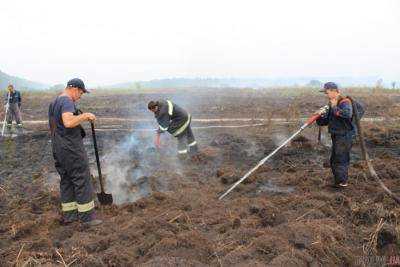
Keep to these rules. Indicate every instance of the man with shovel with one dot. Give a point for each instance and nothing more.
(13, 99)
(176, 121)
(338, 117)
(69, 154)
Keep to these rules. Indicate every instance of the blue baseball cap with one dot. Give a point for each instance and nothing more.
(330, 86)
(78, 83)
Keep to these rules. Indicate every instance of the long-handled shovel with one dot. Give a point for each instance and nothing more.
(104, 199)
(305, 125)
(5, 114)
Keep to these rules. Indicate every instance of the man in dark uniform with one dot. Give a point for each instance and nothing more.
(176, 121)
(13, 99)
(338, 117)
(69, 154)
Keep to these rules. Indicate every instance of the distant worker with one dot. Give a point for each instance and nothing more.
(338, 117)
(69, 154)
(176, 121)
(14, 100)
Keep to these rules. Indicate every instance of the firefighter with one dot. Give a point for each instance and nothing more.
(338, 117)
(13, 99)
(69, 154)
(176, 121)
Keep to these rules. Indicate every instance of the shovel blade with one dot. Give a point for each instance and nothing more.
(105, 199)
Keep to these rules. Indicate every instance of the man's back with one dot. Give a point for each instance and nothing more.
(60, 105)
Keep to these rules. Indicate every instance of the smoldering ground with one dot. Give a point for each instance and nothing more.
(263, 222)
(134, 167)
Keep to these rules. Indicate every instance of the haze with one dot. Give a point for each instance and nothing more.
(107, 42)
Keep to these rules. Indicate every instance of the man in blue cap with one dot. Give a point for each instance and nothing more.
(69, 154)
(338, 117)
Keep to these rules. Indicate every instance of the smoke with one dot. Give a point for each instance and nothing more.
(253, 150)
(326, 140)
(117, 170)
(270, 186)
(133, 167)
(279, 138)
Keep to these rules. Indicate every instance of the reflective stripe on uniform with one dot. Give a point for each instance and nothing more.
(86, 207)
(182, 151)
(193, 143)
(170, 107)
(162, 128)
(69, 206)
(180, 130)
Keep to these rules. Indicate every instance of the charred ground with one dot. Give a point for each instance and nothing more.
(284, 214)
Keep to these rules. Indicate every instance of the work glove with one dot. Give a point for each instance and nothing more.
(322, 111)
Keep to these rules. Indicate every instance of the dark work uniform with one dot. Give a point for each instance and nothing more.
(176, 121)
(342, 130)
(14, 109)
(71, 162)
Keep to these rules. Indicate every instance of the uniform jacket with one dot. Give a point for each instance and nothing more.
(15, 98)
(339, 118)
(171, 117)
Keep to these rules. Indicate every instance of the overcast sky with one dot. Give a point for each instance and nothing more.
(107, 42)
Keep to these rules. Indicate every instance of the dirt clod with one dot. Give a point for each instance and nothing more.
(97, 246)
(386, 236)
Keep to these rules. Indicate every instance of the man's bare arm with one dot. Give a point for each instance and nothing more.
(70, 120)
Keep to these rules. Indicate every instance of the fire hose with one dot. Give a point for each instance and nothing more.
(305, 125)
(366, 156)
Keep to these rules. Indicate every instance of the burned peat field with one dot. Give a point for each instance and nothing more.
(166, 211)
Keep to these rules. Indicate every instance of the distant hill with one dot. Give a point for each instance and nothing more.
(19, 83)
(244, 82)
(343, 81)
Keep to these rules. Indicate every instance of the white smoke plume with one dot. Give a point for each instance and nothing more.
(279, 138)
(133, 167)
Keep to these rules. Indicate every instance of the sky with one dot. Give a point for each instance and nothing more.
(106, 42)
